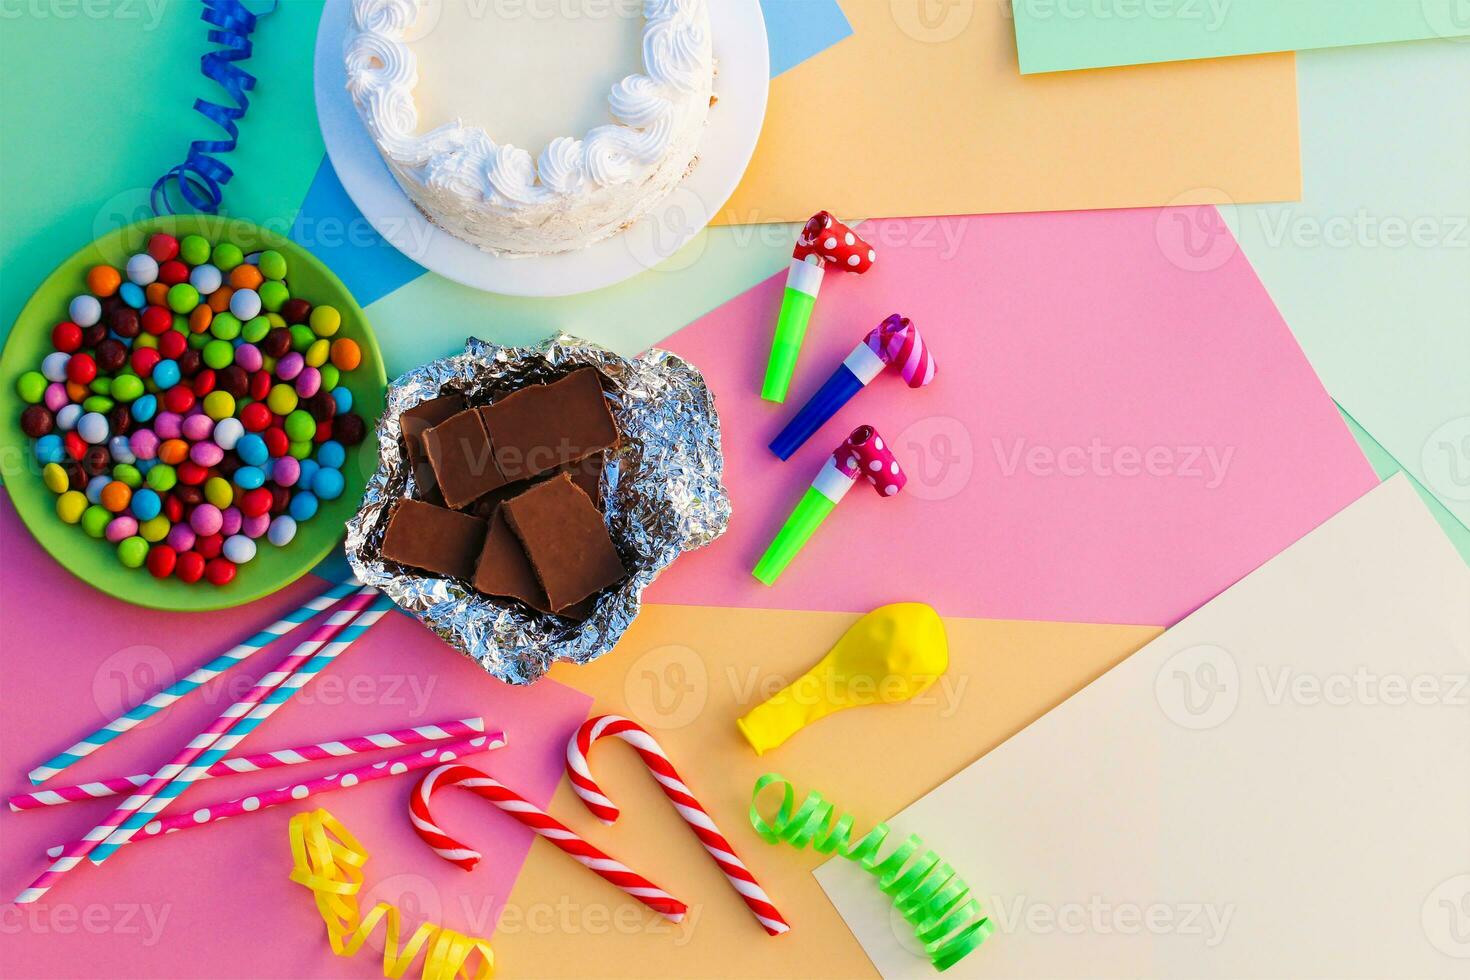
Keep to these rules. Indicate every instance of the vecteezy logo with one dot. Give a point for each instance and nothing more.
(130, 676)
(1194, 233)
(932, 21)
(1446, 459)
(667, 687)
(1199, 687)
(1446, 917)
(939, 456)
(1448, 18)
(415, 897)
(658, 240)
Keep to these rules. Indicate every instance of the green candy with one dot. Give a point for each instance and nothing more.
(100, 404)
(132, 552)
(273, 294)
(126, 387)
(225, 326)
(182, 297)
(101, 386)
(194, 249)
(31, 387)
(198, 340)
(162, 477)
(331, 377)
(301, 449)
(95, 520)
(301, 338)
(128, 473)
(218, 354)
(300, 426)
(272, 264)
(227, 256)
(254, 331)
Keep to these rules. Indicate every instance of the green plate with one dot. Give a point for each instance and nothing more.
(95, 562)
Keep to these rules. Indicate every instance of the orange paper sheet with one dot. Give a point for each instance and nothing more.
(924, 111)
(686, 673)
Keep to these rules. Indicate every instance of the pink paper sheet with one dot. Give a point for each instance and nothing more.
(215, 901)
(1122, 425)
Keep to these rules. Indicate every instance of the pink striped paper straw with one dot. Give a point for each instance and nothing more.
(80, 849)
(398, 738)
(324, 784)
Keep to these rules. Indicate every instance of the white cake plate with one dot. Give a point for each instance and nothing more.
(739, 35)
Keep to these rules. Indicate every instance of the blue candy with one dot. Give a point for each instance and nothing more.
(328, 484)
(144, 407)
(251, 449)
(249, 477)
(49, 449)
(331, 454)
(303, 506)
(121, 450)
(94, 487)
(132, 294)
(309, 469)
(166, 374)
(343, 398)
(146, 504)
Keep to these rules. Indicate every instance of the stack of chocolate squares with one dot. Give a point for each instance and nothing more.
(510, 494)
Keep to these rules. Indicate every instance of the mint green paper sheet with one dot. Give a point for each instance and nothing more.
(1064, 35)
(1371, 269)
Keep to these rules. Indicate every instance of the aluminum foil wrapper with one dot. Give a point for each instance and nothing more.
(662, 493)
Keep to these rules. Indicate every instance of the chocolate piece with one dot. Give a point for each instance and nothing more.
(503, 568)
(433, 538)
(541, 427)
(464, 465)
(565, 540)
(585, 473)
(413, 424)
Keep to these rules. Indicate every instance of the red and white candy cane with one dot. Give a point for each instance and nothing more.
(673, 786)
(541, 822)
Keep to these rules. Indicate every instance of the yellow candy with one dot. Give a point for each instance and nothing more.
(282, 399)
(155, 529)
(316, 355)
(890, 655)
(325, 321)
(217, 490)
(219, 405)
(55, 478)
(69, 506)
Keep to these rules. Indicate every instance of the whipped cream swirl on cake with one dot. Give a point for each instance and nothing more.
(579, 190)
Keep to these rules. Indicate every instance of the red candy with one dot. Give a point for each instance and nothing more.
(209, 545)
(220, 571)
(171, 344)
(255, 502)
(67, 337)
(173, 272)
(191, 473)
(190, 567)
(260, 385)
(173, 509)
(203, 382)
(163, 247)
(157, 320)
(277, 443)
(178, 399)
(161, 560)
(75, 445)
(81, 369)
(255, 417)
(144, 360)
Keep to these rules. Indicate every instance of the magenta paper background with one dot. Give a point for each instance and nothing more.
(215, 901)
(1050, 331)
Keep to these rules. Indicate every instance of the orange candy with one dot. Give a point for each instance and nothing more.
(219, 300)
(346, 355)
(77, 393)
(156, 293)
(200, 318)
(245, 276)
(103, 280)
(173, 451)
(116, 496)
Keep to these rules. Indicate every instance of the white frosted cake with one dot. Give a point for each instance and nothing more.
(471, 104)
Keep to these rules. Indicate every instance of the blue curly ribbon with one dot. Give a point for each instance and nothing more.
(202, 176)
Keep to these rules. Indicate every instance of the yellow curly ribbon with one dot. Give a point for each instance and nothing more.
(329, 861)
(946, 918)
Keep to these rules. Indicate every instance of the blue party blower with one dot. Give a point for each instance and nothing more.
(893, 343)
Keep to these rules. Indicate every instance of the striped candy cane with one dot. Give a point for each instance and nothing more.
(263, 760)
(163, 779)
(673, 786)
(539, 821)
(439, 754)
(272, 691)
(178, 689)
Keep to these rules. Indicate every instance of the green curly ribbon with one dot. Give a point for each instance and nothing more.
(926, 891)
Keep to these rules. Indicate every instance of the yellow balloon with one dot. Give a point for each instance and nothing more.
(892, 654)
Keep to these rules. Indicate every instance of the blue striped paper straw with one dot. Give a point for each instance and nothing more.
(178, 689)
(283, 691)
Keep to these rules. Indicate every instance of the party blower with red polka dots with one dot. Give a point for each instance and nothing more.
(864, 455)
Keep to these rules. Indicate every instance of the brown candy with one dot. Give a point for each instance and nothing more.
(321, 406)
(189, 362)
(94, 335)
(119, 420)
(233, 379)
(460, 453)
(294, 311)
(110, 355)
(434, 539)
(125, 322)
(276, 342)
(565, 539)
(37, 421)
(504, 570)
(96, 460)
(349, 429)
(413, 423)
(542, 427)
